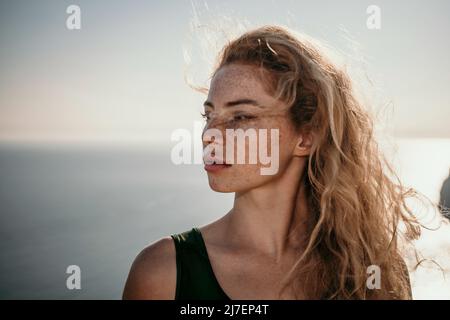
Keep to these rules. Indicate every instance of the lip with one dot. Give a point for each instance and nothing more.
(216, 167)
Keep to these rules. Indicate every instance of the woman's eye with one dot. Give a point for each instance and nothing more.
(205, 115)
(235, 119)
(241, 117)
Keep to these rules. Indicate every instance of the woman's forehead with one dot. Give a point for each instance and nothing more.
(237, 81)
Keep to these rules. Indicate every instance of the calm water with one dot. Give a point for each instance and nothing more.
(97, 207)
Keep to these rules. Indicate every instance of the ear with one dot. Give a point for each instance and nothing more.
(304, 145)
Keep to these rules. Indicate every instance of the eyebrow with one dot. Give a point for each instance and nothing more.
(235, 103)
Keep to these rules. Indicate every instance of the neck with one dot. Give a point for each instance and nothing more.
(272, 218)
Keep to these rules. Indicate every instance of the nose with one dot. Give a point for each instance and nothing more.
(213, 131)
(210, 135)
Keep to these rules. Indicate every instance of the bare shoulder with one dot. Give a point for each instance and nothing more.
(153, 272)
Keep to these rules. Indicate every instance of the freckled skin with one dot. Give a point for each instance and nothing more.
(237, 81)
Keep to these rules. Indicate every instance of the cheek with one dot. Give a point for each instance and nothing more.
(241, 177)
(287, 141)
(282, 142)
(270, 134)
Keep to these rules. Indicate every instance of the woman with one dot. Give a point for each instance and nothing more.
(312, 230)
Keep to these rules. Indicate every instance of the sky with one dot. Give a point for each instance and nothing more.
(122, 76)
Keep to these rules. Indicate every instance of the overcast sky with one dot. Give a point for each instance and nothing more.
(121, 76)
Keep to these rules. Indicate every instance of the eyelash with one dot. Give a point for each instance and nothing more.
(204, 115)
(243, 117)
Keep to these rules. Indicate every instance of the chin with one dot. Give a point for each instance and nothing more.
(220, 186)
(231, 185)
(237, 180)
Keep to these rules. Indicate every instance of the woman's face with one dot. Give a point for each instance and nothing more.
(237, 99)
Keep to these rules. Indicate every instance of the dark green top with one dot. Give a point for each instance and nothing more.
(195, 276)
